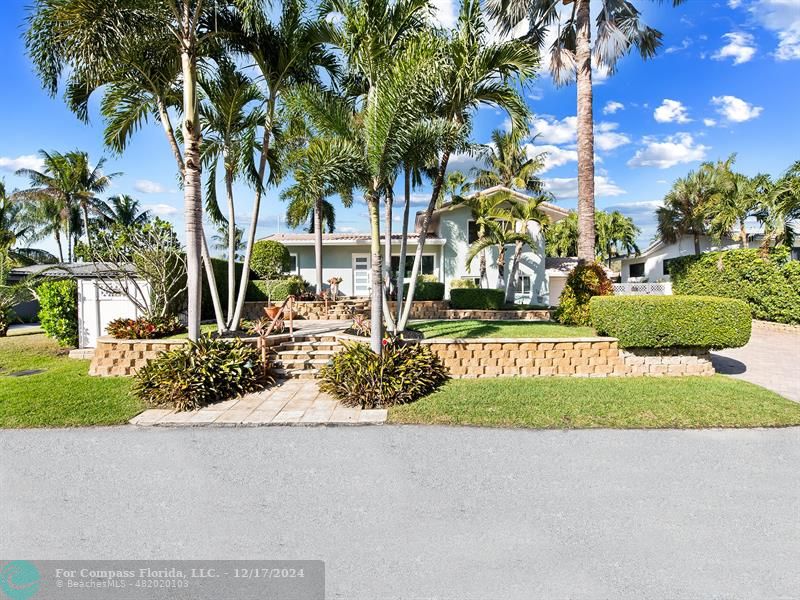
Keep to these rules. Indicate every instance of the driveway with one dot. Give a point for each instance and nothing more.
(771, 359)
(423, 512)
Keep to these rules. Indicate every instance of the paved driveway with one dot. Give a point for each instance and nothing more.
(770, 359)
(424, 512)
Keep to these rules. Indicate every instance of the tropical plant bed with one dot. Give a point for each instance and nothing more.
(621, 403)
(62, 394)
(462, 329)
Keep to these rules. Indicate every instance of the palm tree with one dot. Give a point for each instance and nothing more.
(685, 208)
(122, 209)
(506, 163)
(619, 29)
(222, 241)
(615, 235)
(522, 214)
(486, 209)
(229, 134)
(91, 181)
(781, 208)
(561, 239)
(13, 225)
(325, 166)
(499, 234)
(474, 72)
(455, 187)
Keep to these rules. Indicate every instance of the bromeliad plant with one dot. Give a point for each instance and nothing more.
(401, 374)
(144, 328)
(200, 373)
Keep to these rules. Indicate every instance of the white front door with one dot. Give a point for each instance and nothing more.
(361, 274)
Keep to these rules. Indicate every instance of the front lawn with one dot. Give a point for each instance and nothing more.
(499, 329)
(624, 403)
(63, 395)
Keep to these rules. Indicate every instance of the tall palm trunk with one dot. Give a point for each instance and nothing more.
(231, 244)
(401, 268)
(192, 186)
(376, 307)
(318, 242)
(583, 57)
(212, 284)
(501, 267)
(743, 233)
(696, 237)
(513, 274)
(423, 235)
(387, 261)
(60, 249)
(482, 276)
(85, 215)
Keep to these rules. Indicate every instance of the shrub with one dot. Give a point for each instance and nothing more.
(144, 329)
(220, 268)
(402, 373)
(270, 259)
(770, 283)
(478, 299)
(276, 289)
(360, 326)
(199, 373)
(672, 321)
(58, 310)
(459, 284)
(426, 289)
(583, 283)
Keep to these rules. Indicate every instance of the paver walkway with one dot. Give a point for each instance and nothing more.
(292, 402)
(771, 359)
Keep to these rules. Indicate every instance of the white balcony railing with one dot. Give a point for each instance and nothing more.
(643, 289)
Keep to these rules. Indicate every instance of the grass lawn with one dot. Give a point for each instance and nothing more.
(636, 402)
(499, 329)
(205, 329)
(63, 395)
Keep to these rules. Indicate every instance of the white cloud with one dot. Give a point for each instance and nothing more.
(685, 43)
(346, 229)
(671, 111)
(734, 3)
(789, 44)
(607, 138)
(637, 208)
(554, 131)
(740, 47)
(445, 13)
(145, 186)
(462, 162)
(161, 210)
(613, 106)
(26, 161)
(554, 155)
(673, 150)
(535, 93)
(417, 198)
(567, 187)
(735, 109)
(782, 17)
(709, 122)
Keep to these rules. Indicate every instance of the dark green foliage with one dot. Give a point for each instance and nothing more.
(462, 283)
(672, 321)
(770, 284)
(426, 290)
(220, 268)
(402, 373)
(197, 374)
(270, 259)
(276, 289)
(144, 328)
(479, 299)
(58, 310)
(583, 283)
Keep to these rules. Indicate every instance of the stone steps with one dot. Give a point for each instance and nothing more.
(302, 358)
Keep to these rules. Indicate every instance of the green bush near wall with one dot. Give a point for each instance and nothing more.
(275, 289)
(220, 267)
(769, 284)
(478, 299)
(426, 290)
(672, 321)
(58, 310)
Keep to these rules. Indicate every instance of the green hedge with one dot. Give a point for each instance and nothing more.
(277, 289)
(672, 321)
(769, 284)
(58, 310)
(426, 290)
(478, 299)
(220, 268)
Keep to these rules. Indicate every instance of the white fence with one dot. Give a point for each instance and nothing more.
(643, 289)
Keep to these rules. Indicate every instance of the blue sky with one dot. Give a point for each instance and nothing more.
(726, 80)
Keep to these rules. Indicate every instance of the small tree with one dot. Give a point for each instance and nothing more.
(270, 259)
(583, 283)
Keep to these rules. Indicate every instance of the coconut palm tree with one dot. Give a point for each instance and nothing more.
(221, 241)
(619, 29)
(780, 212)
(474, 71)
(521, 215)
(506, 163)
(615, 235)
(486, 209)
(122, 209)
(561, 239)
(499, 234)
(13, 224)
(685, 208)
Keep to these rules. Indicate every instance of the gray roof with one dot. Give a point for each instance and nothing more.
(72, 270)
(343, 238)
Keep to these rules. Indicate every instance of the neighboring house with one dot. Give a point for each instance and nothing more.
(451, 231)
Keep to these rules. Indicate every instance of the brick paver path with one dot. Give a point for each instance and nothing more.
(771, 359)
(292, 402)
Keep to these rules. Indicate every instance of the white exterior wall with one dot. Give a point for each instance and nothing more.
(97, 308)
(654, 261)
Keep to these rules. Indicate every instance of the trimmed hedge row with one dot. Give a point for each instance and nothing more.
(769, 284)
(672, 321)
(478, 299)
(426, 290)
(276, 289)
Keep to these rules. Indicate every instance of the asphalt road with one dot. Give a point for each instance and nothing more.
(424, 512)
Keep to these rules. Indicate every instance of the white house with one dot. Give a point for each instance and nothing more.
(452, 230)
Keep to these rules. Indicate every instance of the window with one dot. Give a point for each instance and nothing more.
(795, 253)
(665, 265)
(523, 285)
(426, 268)
(636, 270)
(292, 264)
(472, 234)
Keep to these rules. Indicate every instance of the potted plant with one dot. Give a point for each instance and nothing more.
(334, 283)
(271, 310)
